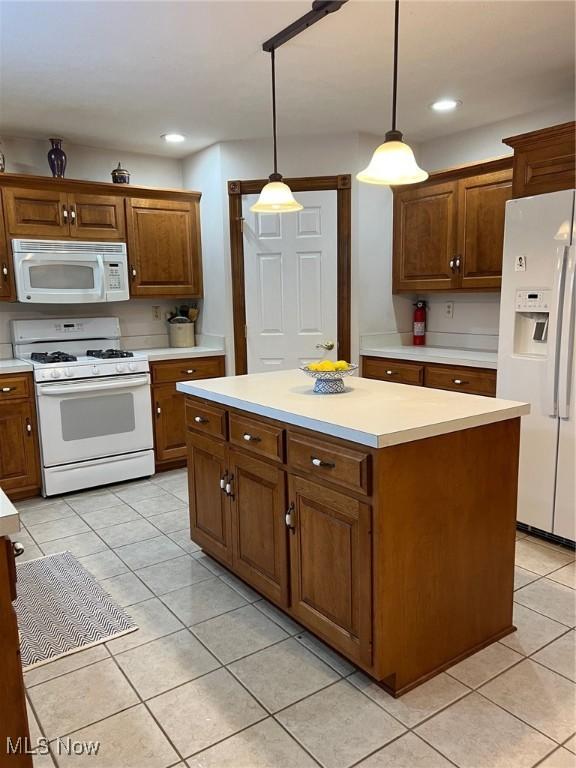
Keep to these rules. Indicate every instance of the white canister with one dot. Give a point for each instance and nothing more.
(181, 334)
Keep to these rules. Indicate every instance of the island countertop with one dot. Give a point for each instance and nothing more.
(370, 412)
(9, 518)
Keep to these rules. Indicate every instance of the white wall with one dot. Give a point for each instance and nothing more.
(92, 164)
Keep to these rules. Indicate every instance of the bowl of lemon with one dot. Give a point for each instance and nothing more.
(329, 375)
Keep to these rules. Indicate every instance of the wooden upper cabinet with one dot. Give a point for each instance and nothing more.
(61, 215)
(449, 230)
(36, 213)
(544, 160)
(331, 566)
(97, 217)
(481, 213)
(164, 247)
(7, 288)
(425, 237)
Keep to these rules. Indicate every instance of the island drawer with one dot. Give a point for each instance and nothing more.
(15, 386)
(208, 419)
(473, 381)
(263, 439)
(392, 370)
(337, 464)
(187, 369)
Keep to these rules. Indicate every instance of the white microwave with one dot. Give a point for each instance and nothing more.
(70, 271)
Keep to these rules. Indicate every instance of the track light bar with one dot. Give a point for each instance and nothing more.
(320, 9)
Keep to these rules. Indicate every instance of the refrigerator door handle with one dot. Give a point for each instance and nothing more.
(567, 341)
(554, 333)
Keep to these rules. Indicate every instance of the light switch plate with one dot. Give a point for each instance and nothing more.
(449, 309)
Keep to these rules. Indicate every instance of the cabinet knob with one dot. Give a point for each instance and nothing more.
(28, 427)
(158, 409)
(390, 373)
(451, 264)
(5, 270)
(17, 548)
(200, 420)
(133, 271)
(457, 262)
(251, 438)
(73, 215)
(65, 213)
(319, 463)
(223, 480)
(459, 381)
(6, 389)
(228, 487)
(189, 371)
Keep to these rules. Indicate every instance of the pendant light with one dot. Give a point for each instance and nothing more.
(393, 162)
(276, 196)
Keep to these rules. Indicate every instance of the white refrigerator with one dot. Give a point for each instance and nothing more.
(536, 356)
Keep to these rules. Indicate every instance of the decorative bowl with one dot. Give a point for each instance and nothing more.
(329, 382)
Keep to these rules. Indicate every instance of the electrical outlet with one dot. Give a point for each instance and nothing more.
(156, 314)
(449, 309)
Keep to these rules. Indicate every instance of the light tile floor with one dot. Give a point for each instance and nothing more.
(216, 677)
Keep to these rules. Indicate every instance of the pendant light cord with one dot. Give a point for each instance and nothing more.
(272, 54)
(395, 80)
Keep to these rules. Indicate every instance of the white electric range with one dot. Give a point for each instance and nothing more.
(93, 402)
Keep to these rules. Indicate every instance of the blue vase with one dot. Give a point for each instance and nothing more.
(57, 159)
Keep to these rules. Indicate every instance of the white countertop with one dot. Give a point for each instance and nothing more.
(448, 355)
(9, 518)
(14, 366)
(370, 412)
(172, 353)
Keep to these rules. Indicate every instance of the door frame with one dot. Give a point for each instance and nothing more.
(342, 184)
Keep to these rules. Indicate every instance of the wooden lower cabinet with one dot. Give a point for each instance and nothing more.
(19, 449)
(331, 566)
(258, 504)
(13, 716)
(210, 515)
(404, 574)
(168, 407)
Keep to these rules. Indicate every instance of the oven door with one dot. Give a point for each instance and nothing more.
(94, 418)
(59, 278)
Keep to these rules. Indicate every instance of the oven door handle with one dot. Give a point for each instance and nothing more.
(102, 385)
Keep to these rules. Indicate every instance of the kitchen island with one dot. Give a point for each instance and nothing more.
(382, 519)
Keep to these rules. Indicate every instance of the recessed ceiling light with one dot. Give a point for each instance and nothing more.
(445, 105)
(173, 138)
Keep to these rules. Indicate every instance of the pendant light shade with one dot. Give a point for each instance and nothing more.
(393, 162)
(276, 196)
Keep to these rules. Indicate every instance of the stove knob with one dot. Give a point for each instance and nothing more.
(69, 372)
(120, 367)
(95, 370)
(132, 366)
(55, 373)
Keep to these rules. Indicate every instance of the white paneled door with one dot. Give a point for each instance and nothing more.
(290, 268)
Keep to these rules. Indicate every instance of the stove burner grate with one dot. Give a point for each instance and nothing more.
(52, 357)
(108, 354)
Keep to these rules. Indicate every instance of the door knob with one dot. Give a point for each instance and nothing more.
(327, 345)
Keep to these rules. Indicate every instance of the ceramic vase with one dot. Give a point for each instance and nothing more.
(57, 159)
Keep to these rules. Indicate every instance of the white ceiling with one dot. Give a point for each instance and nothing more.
(119, 74)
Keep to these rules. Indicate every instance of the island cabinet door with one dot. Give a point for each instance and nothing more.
(210, 524)
(331, 566)
(169, 423)
(259, 534)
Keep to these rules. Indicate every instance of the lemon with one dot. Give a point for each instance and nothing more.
(341, 365)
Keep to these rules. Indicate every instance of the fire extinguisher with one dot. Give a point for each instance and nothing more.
(419, 336)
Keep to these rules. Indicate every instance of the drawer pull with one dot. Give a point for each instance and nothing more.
(320, 463)
(200, 420)
(251, 438)
(391, 373)
(8, 389)
(189, 371)
(459, 381)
